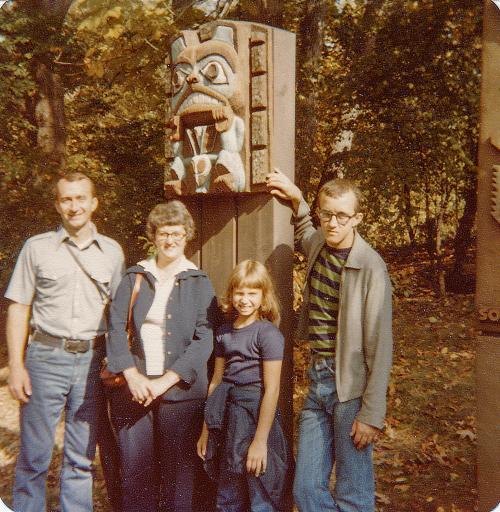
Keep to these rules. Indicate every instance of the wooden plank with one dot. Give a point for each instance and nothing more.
(488, 277)
(218, 235)
(488, 236)
(193, 249)
(488, 428)
(283, 124)
(266, 235)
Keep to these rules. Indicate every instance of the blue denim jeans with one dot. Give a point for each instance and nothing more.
(324, 440)
(242, 493)
(61, 381)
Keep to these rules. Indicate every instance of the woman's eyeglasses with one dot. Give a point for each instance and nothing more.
(175, 237)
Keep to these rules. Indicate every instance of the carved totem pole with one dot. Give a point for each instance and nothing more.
(220, 118)
(230, 121)
(488, 263)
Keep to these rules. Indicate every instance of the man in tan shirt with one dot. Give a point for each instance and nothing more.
(55, 335)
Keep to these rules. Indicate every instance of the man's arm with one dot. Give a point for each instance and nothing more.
(281, 186)
(17, 333)
(378, 358)
(363, 434)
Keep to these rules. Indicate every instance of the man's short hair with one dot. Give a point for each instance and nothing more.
(339, 187)
(74, 176)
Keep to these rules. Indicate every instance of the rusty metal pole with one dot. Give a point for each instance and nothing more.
(488, 263)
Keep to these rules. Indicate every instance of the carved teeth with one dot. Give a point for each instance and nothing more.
(198, 98)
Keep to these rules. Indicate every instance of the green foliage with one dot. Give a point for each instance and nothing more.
(111, 61)
(401, 78)
(408, 91)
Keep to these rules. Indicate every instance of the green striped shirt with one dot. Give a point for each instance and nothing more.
(324, 288)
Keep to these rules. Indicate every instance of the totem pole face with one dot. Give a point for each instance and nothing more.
(204, 77)
(220, 85)
(207, 132)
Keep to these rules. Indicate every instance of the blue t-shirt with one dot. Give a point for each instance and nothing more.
(244, 350)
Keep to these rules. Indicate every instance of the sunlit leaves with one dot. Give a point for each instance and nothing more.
(413, 79)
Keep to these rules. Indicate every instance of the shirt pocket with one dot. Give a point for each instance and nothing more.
(52, 278)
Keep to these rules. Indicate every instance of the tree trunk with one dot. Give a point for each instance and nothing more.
(458, 280)
(440, 273)
(463, 235)
(311, 32)
(430, 223)
(407, 213)
(271, 12)
(48, 17)
(49, 116)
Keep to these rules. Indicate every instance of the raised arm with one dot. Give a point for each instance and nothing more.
(281, 186)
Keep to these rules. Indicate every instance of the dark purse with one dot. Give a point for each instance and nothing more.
(116, 380)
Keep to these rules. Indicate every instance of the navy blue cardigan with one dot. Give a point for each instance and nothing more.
(192, 312)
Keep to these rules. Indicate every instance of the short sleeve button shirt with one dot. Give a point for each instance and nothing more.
(65, 302)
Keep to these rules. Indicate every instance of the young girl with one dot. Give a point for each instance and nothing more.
(242, 443)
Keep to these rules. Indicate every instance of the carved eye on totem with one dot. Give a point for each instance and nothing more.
(214, 72)
(178, 79)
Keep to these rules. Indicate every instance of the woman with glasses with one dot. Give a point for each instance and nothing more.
(157, 415)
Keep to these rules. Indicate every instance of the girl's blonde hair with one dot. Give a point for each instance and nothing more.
(252, 274)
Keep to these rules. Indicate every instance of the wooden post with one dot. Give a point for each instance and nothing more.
(242, 138)
(488, 276)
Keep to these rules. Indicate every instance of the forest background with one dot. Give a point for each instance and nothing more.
(387, 94)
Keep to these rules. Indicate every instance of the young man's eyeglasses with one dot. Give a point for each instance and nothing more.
(175, 236)
(341, 218)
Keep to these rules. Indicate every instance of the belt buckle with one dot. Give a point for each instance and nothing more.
(75, 346)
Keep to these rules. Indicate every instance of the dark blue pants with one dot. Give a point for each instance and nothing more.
(109, 454)
(159, 466)
(242, 493)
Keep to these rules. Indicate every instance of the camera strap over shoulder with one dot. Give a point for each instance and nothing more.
(103, 292)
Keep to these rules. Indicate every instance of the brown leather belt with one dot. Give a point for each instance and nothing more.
(73, 346)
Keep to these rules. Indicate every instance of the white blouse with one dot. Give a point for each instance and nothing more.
(154, 328)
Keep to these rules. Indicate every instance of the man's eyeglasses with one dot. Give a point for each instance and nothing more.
(341, 218)
(175, 237)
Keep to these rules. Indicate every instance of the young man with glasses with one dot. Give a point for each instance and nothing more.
(347, 318)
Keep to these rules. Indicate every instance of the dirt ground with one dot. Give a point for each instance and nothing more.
(426, 459)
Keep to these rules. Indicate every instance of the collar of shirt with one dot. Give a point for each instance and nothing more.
(62, 235)
(150, 266)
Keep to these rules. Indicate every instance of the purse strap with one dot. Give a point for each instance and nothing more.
(133, 298)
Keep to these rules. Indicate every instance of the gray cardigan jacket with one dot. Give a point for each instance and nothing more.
(363, 355)
(192, 311)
